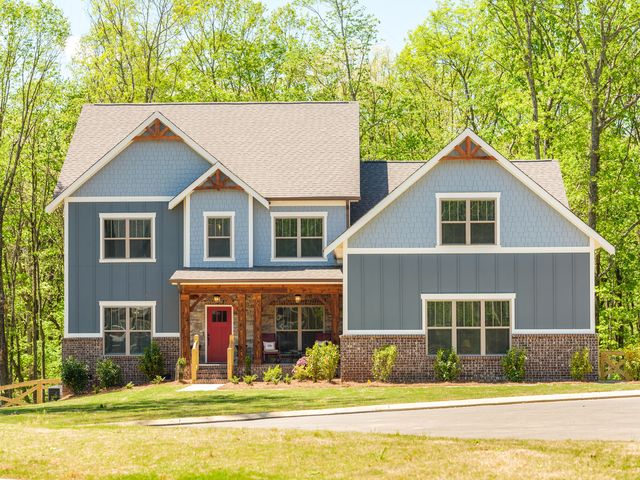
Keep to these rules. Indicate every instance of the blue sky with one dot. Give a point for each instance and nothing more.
(397, 18)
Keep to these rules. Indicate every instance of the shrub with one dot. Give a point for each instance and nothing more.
(75, 375)
(287, 379)
(513, 364)
(247, 365)
(235, 380)
(447, 366)
(181, 366)
(157, 380)
(300, 371)
(580, 365)
(273, 375)
(109, 373)
(322, 361)
(129, 385)
(632, 361)
(384, 358)
(249, 379)
(152, 361)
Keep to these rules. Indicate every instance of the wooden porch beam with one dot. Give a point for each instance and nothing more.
(185, 334)
(257, 329)
(302, 289)
(242, 329)
(335, 319)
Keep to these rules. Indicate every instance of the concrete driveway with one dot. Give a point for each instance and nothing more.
(605, 419)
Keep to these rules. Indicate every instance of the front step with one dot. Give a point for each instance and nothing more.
(212, 373)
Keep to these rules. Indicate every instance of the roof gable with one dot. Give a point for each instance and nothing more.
(466, 136)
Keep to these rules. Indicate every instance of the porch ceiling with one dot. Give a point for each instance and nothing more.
(265, 276)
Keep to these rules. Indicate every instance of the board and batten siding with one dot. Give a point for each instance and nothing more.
(90, 281)
(525, 219)
(552, 289)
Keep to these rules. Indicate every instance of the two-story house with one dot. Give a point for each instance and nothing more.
(259, 220)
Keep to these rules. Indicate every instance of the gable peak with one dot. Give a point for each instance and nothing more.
(468, 149)
(157, 130)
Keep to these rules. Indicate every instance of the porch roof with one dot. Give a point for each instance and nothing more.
(264, 275)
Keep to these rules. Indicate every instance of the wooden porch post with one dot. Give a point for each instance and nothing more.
(257, 329)
(242, 329)
(335, 321)
(185, 334)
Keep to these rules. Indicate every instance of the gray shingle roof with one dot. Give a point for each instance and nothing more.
(258, 275)
(379, 178)
(282, 150)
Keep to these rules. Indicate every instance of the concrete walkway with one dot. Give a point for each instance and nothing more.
(604, 419)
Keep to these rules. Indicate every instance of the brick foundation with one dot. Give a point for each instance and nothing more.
(90, 350)
(547, 358)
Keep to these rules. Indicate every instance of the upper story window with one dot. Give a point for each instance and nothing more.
(469, 326)
(127, 327)
(298, 237)
(468, 221)
(218, 236)
(127, 237)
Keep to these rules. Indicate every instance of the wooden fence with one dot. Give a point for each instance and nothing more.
(30, 387)
(612, 363)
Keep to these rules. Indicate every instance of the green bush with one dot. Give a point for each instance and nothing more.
(249, 379)
(384, 359)
(235, 380)
(273, 375)
(632, 361)
(129, 385)
(109, 373)
(322, 361)
(157, 380)
(247, 365)
(181, 367)
(300, 371)
(580, 365)
(513, 364)
(287, 379)
(75, 375)
(447, 366)
(152, 362)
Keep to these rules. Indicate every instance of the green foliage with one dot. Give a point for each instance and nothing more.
(513, 364)
(249, 379)
(300, 371)
(287, 379)
(632, 361)
(580, 364)
(152, 361)
(157, 380)
(235, 380)
(129, 386)
(322, 361)
(273, 375)
(75, 375)
(384, 359)
(447, 365)
(109, 373)
(247, 365)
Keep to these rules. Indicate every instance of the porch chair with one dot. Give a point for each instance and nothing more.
(322, 337)
(270, 347)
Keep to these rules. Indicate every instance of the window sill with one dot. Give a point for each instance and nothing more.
(218, 259)
(127, 260)
(299, 259)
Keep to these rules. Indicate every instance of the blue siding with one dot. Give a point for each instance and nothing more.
(525, 219)
(220, 201)
(336, 224)
(552, 289)
(147, 169)
(91, 281)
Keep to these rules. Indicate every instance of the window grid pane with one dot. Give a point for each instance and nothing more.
(298, 237)
(439, 314)
(468, 314)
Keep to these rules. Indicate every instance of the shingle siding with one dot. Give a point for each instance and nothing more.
(525, 219)
(147, 169)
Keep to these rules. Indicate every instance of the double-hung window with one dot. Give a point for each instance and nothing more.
(298, 326)
(468, 221)
(469, 326)
(127, 327)
(298, 237)
(127, 237)
(218, 236)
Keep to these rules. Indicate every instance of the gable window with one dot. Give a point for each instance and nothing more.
(127, 237)
(297, 327)
(468, 221)
(469, 326)
(218, 236)
(298, 237)
(127, 327)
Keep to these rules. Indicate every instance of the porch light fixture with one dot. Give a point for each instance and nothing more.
(297, 298)
(216, 298)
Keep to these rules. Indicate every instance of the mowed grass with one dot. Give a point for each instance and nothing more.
(181, 453)
(165, 401)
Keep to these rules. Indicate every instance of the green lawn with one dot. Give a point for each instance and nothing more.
(164, 401)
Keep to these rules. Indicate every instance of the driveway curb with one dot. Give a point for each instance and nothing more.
(172, 422)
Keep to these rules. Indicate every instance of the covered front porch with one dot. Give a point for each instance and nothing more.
(272, 314)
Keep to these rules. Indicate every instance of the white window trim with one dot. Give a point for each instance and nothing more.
(128, 216)
(205, 220)
(467, 196)
(299, 329)
(462, 297)
(128, 304)
(275, 215)
(206, 327)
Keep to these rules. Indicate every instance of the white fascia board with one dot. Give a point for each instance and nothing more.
(467, 296)
(515, 171)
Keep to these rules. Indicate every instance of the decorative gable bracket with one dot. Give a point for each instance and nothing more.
(468, 150)
(218, 181)
(157, 131)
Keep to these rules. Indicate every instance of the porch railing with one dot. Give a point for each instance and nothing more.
(230, 355)
(195, 358)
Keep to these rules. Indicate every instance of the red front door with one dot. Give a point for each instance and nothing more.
(218, 330)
